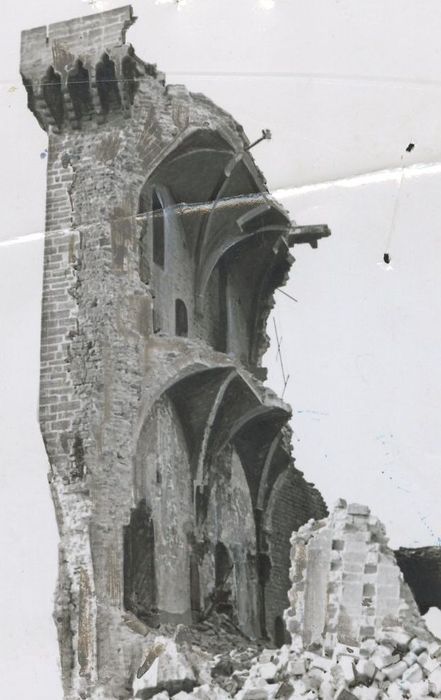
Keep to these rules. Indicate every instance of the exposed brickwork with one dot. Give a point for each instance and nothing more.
(292, 503)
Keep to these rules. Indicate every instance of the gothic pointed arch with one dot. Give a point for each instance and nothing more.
(233, 235)
(162, 483)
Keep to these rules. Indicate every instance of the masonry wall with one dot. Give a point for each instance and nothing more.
(230, 521)
(163, 481)
(135, 419)
(346, 584)
(292, 503)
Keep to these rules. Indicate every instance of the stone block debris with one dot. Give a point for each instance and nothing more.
(394, 658)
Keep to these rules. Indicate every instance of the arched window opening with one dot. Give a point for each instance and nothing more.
(107, 84)
(79, 90)
(158, 230)
(139, 565)
(53, 95)
(181, 318)
(279, 632)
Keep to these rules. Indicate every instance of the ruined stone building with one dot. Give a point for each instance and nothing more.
(170, 461)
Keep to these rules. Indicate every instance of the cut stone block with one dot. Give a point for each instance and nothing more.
(321, 662)
(383, 660)
(345, 695)
(417, 645)
(430, 665)
(297, 667)
(365, 670)
(419, 690)
(268, 671)
(395, 671)
(410, 658)
(346, 663)
(414, 674)
(358, 509)
(435, 681)
(371, 693)
(434, 650)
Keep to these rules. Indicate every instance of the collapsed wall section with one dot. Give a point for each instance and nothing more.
(395, 658)
(292, 503)
(346, 584)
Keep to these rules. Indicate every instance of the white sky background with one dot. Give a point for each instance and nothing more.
(344, 86)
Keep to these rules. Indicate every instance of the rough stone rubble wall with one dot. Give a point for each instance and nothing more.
(346, 584)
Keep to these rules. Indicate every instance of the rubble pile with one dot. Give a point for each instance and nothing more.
(204, 658)
(355, 629)
(392, 666)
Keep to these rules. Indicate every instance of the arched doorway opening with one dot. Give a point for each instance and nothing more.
(139, 565)
(181, 319)
(163, 481)
(223, 573)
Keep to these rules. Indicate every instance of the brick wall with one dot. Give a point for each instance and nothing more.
(84, 37)
(292, 503)
(102, 367)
